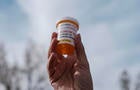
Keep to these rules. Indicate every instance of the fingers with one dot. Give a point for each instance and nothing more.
(70, 60)
(60, 70)
(54, 35)
(53, 44)
(56, 67)
(52, 62)
(80, 51)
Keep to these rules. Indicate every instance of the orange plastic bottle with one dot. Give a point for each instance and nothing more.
(67, 29)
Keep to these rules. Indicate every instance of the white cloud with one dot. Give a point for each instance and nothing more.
(104, 57)
(101, 53)
(15, 52)
(43, 15)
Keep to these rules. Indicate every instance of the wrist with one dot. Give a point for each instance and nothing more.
(63, 87)
(65, 83)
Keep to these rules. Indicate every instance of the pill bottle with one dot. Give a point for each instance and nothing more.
(67, 29)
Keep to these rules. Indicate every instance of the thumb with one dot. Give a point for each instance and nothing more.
(80, 51)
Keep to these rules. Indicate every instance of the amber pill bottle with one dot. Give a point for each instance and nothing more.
(67, 29)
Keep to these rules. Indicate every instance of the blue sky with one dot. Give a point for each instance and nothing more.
(12, 21)
(110, 31)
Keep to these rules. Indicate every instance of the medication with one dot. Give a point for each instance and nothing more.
(67, 29)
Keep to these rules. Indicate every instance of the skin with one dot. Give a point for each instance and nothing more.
(71, 73)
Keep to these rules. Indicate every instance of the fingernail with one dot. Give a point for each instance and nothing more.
(54, 34)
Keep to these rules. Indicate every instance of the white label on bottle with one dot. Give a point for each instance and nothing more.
(66, 33)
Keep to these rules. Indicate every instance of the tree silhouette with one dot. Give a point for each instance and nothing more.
(125, 81)
(138, 82)
(15, 70)
(33, 60)
(4, 71)
(34, 70)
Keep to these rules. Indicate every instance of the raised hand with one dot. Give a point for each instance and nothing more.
(71, 73)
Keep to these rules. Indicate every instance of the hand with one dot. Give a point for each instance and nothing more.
(71, 73)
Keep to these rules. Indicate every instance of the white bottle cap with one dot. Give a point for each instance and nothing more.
(68, 19)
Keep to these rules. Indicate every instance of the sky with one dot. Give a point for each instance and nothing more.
(109, 28)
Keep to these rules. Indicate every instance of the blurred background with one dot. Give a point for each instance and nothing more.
(110, 31)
